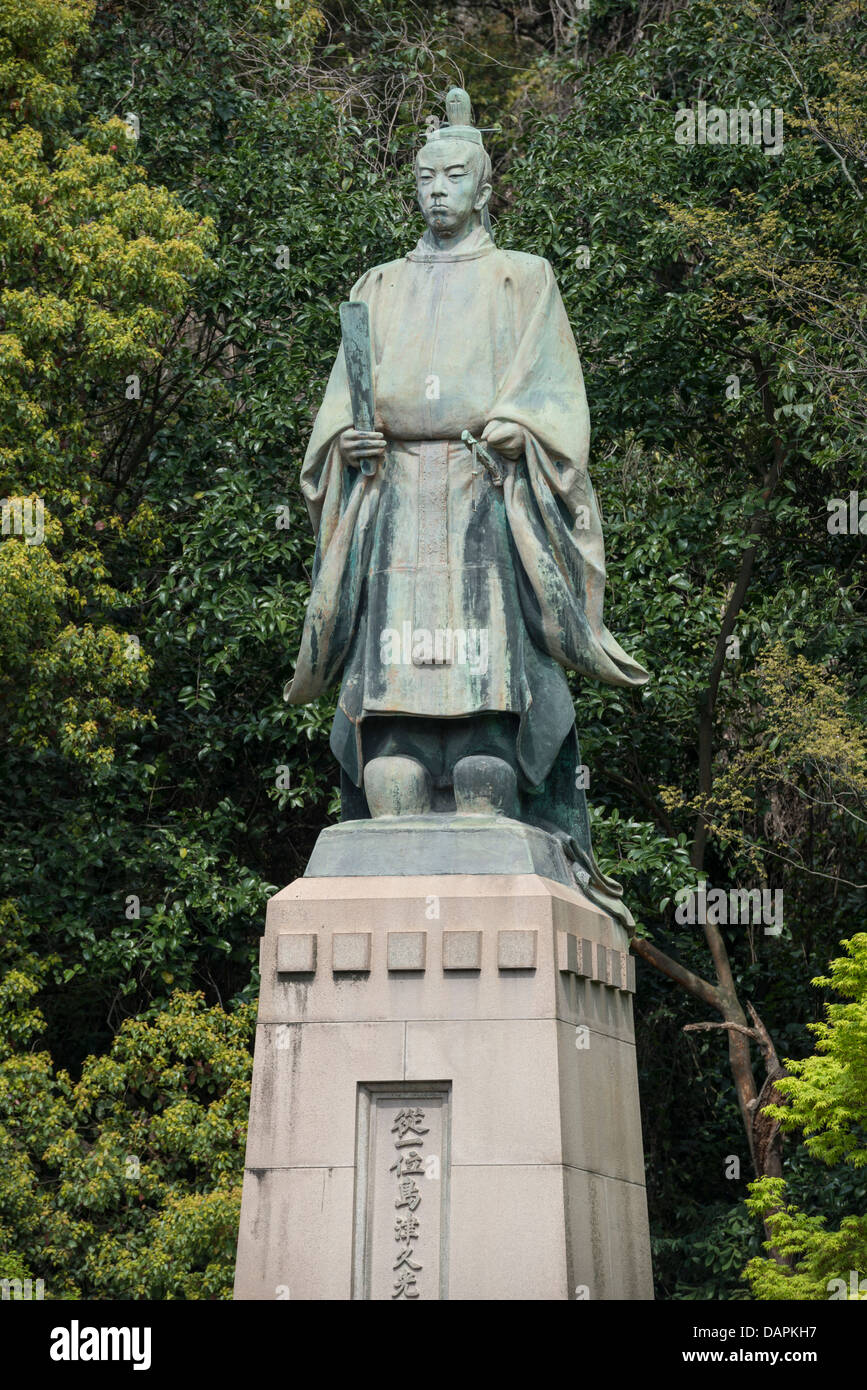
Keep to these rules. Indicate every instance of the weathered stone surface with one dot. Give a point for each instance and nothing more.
(302, 1106)
(529, 1179)
(296, 953)
(515, 1246)
(462, 950)
(291, 1217)
(516, 950)
(434, 905)
(438, 905)
(350, 951)
(407, 950)
(595, 961)
(402, 1189)
(397, 787)
(437, 844)
(608, 1251)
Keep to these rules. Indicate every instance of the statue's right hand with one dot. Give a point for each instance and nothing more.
(356, 445)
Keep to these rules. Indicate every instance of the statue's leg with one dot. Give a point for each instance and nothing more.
(484, 764)
(485, 786)
(402, 757)
(410, 763)
(397, 786)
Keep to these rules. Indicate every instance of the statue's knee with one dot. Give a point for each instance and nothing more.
(397, 786)
(485, 786)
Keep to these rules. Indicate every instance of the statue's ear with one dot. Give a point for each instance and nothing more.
(482, 197)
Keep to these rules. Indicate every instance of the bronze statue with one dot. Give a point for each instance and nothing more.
(459, 561)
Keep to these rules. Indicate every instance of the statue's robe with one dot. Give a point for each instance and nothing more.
(459, 338)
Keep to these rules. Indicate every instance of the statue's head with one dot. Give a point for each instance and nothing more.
(453, 172)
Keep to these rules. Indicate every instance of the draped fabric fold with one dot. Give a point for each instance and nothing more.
(563, 580)
(347, 503)
(460, 339)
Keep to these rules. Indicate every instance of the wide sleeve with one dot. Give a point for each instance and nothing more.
(550, 503)
(342, 503)
(321, 481)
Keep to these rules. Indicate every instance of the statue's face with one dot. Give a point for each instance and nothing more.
(447, 182)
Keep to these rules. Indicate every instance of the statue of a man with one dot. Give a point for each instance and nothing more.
(448, 604)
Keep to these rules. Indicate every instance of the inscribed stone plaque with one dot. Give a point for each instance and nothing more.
(401, 1191)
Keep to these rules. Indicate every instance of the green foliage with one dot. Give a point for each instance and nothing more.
(146, 640)
(707, 1253)
(826, 1096)
(716, 320)
(38, 39)
(827, 1093)
(126, 1183)
(816, 1258)
(646, 862)
(97, 265)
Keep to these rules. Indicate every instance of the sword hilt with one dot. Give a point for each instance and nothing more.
(481, 451)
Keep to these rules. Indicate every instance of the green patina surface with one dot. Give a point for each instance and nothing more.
(438, 596)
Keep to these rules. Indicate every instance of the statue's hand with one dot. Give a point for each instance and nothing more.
(356, 445)
(505, 437)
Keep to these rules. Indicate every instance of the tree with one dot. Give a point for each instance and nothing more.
(826, 1097)
(149, 805)
(705, 284)
(125, 1184)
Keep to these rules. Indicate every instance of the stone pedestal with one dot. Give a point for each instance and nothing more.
(445, 1099)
